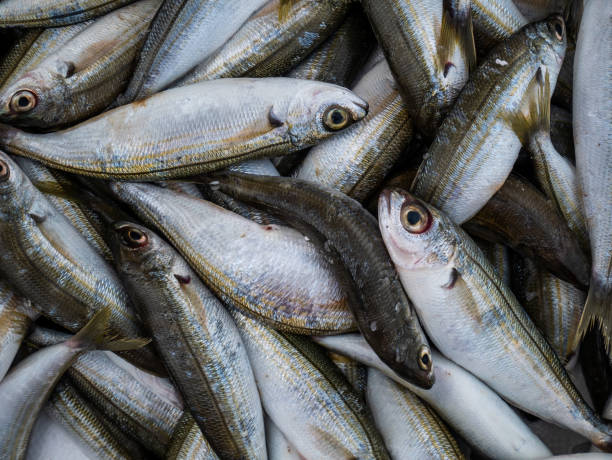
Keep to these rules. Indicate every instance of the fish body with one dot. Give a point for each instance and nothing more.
(536, 10)
(485, 330)
(495, 21)
(188, 442)
(278, 446)
(139, 141)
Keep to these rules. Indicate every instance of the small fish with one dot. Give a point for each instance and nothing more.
(151, 140)
(495, 21)
(25, 389)
(485, 330)
(188, 443)
(355, 373)
(499, 256)
(278, 446)
(536, 10)
(384, 314)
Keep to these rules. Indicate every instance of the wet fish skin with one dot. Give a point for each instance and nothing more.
(188, 443)
(500, 258)
(356, 161)
(410, 428)
(592, 109)
(430, 48)
(383, 312)
(47, 259)
(278, 446)
(84, 76)
(197, 340)
(139, 141)
(53, 13)
(473, 409)
(324, 419)
(183, 34)
(495, 21)
(26, 388)
(270, 44)
(536, 10)
(486, 331)
(355, 373)
(476, 146)
(16, 52)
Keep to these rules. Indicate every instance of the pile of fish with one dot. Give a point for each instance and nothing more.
(305, 229)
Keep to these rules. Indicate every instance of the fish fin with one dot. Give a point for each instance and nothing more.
(533, 114)
(284, 8)
(456, 31)
(95, 336)
(597, 311)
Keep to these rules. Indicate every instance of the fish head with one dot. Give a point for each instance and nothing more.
(416, 234)
(552, 42)
(139, 253)
(319, 110)
(38, 98)
(17, 193)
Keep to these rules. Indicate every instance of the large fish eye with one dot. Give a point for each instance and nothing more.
(133, 238)
(336, 118)
(23, 101)
(425, 361)
(415, 218)
(558, 27)
(5, 172)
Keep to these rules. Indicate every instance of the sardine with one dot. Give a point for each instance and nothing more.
(188, 443)
(46, 259)
(430, 48)
(384, 314)
(307, 397)
(153, 140)
(197, 340)
(268, 44)
(495, 21)
(183, 34)
(25, 389)
(592, 113)
(410, 428)
(356, 161)
(83, 76)
(536, 10)
(271, 272)
(476, 147)
(278, 446)
(53, 13)
(499, 257)
(475, 320)
(469, 406)
(15, 53)
(355, 373)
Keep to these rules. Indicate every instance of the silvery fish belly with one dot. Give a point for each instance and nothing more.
(430, 49)
(495, 21)
(475, 320)
(188, 130)
(592, 110)
(476, 146)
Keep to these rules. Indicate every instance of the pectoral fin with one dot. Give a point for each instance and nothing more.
(534, 111)
(456, 33)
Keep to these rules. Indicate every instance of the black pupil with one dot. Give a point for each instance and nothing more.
(134, 235)
(23, 101)
(413, 217)
(337, 117)
(425, 359)
(559, 29)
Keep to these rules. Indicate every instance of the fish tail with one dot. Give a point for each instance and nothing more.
(457, 31)
(533, 114)
(597, 311)
(95, 335)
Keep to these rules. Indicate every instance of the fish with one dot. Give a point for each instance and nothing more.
(476, 146)
(500, 259)
(561, 131)
(145, 407)
(563, 92)
(25, 389)
(183, 34)
(53, 13)
(196, 339)
(592, 115)
(13, 55)
(16, 316)
(471, 408)
(278, 446)
(268, 45)
(271, 272)
(536, 10)
(338, 59)
(46, 259)
(188, 443)
(485, 330)
(384, 314)
(139, 141)
(83, 76)
(553, 305)
(495, 21)
(355, 373)
(323, 418)
(430, 48)
(410, 428)
(356, 161)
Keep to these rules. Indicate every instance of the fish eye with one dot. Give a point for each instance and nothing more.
(558, 28)
(5, 172)
(415, 218)
(425, 361)
(133, 238)
(336, 118)
(23, 101)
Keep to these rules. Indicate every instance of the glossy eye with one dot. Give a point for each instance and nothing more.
(415, 218)
(133, 238)
(23, 101)
(558, 28)
(336, 118)
(5, 172)
(425, 360)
